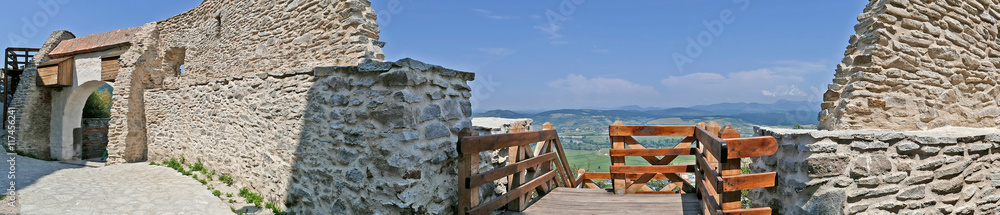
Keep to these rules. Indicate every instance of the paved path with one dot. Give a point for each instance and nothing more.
(45, 187)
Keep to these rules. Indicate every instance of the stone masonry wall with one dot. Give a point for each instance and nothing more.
(941, 171)
(917, 65)
(229, 38)
(376, 138)
(32, 104)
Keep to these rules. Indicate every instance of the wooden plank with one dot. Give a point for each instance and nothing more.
(604, 175)
(652, 169)
(94, 146)
(468, 165)
(650, 130)
(730, 199)
(565, 163)
(751, 147)
(750, 211)
(94, 129)
(95, 140)
(712, 144)
(708, 195)
(685, 185)
(596, 201)
(488, 207)
(652, 152)
(748, 181)
(708, 174)
(478, 144)
(65, 73)
(109, 68)
(498, 173)
(96, 132)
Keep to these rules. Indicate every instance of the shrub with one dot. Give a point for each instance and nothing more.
(225, 178)
(217, 193)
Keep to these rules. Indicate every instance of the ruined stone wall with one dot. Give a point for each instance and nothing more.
(375, 138)
(941, 171)
(229, 38)
(917, 65)
(32, 104)
(127, 133)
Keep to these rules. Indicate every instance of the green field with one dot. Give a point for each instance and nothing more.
(599, 161)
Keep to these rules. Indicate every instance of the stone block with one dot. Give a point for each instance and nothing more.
(826, 165)
(912, 193)
(947, 186)
(870, 165)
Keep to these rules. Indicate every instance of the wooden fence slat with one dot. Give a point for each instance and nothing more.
(477, 144)
(652, 152)
(712, 144)
(748, 181)
(498, 173)
(652, 169)
(650, 130)
(751, 147)
(731, 167)
(750, 211)
(95, 140)
(94, 146)
(488, 207)
(468, 165)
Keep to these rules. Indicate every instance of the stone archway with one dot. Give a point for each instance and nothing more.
(69, 117)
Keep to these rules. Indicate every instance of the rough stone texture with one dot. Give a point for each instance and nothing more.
(229, 38)
(127, 133)
(918, 65)
(32, 104)
(896, 179)
(324, 140)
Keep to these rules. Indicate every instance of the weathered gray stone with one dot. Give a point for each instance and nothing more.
(907, 147)
(394, 116)
(826, 165)
(860, 145)
(870, 165)
(826, 202)
(869, 181)
(436, 130)
(895, 177)
(947, 186)
(912, 193)
(951, 170)
(930, 150)
(451, 110)
(821, 147)
(431, 112)
(954, 150)
(976, 148)
(969, 191)
(406, 96)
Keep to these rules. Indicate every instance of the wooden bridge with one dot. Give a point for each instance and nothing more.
(541, 182)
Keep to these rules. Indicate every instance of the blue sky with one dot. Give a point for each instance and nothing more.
(532, 55)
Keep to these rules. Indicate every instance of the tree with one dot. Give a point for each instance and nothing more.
(99, 103)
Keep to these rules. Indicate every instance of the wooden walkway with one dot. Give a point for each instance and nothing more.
(599, 201)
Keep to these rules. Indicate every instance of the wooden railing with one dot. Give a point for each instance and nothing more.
(530, 171)
(717, 153)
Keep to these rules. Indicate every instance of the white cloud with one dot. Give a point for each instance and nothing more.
(738, 86)
(782, 91)
(601, 51)
(498, 52)
(491, 14)
(600, 88)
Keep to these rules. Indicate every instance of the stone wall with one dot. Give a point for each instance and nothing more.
(917, 65)
(229, 38)
(375, 138)
(221, 39)
(32, 104)
(941, 171)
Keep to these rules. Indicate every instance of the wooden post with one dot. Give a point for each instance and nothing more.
(515, 154)
(730, 200)
(468, 165)
(619, 183)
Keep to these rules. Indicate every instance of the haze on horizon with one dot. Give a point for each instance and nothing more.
(538, 55)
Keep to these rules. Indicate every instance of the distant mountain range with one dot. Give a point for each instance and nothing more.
(780, 113)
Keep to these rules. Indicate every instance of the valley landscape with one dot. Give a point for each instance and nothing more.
(584, 132)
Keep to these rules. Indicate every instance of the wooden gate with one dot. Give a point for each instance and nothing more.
(95, 142)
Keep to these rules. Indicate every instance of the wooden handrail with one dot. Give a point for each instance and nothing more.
(528, 170)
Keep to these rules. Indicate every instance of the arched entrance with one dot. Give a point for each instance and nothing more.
(71, 118)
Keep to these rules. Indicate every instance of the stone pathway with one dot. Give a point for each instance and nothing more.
(46, 187)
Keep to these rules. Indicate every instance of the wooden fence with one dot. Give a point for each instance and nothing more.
(531, 169)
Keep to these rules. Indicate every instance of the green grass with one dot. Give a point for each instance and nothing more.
(225, 178)
(599, 161)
